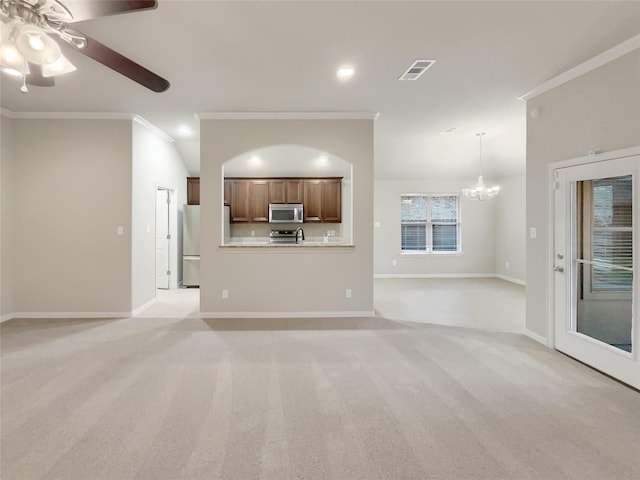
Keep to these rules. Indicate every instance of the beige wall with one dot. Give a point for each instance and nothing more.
(6, 216)
(72, 189)
(291, 280)
(156, 162)
(511, 228)
(600, 109)
(478, 232)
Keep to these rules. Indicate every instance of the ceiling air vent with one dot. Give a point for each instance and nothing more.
(416, 69)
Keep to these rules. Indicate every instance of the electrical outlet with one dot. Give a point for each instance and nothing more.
(253, 233)
(394, 263)
(533, 232)
(506, 264)
(347, 293)
(120, 231)
(225, 293)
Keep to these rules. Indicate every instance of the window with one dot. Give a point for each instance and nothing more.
(430, 223)
(606, 243)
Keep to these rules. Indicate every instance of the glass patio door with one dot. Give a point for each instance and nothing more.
(595, 242)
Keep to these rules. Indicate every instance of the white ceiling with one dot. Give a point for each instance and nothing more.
(268, 56)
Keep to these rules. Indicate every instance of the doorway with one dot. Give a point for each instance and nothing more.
(594, 283)
(163, 238)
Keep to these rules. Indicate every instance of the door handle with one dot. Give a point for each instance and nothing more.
(558, 269)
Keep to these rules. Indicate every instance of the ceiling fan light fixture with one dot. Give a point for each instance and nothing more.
(36, 46)
(59, 67)
(12, 61)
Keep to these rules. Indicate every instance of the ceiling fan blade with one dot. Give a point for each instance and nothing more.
(36, 78)
(118, 62)
(86, 9)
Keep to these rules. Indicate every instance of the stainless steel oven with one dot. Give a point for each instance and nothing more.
(285, 213)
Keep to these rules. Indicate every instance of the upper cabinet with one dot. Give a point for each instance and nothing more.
(313, 200)
(285, 190)
(259, 200)
(249, 198)
(227, 193)
(239, 201)
(323, 200)
(332, 200)
(193, 190)
(277, 191)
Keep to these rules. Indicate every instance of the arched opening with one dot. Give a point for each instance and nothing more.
(290, 161)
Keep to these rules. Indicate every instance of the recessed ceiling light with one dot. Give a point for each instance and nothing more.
(448, 131)
(184, 130)
(255, 161)
(345, 72)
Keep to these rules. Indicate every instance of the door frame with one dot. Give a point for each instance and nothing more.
(174, 265)
(591, 157)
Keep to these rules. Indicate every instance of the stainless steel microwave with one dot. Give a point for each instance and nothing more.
(285, 213)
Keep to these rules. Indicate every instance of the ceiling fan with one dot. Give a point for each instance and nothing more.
(34, 30)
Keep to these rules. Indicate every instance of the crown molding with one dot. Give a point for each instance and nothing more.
(605, 57)
(67, 115)
(287, 115)
(150, 126)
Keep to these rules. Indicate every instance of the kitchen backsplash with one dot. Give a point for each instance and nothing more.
(263, 229)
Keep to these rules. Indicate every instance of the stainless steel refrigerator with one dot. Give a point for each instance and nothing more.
(191, 246)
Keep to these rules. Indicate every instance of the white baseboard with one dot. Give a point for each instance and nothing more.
(536, 337)
(333, 314)
(449, 275)
(7, 316)
(434, 275)
(512, 279)
(143, 307)
(45, 315)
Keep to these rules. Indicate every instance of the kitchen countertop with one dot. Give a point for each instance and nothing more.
(264, 242)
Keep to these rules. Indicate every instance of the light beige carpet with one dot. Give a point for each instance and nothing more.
(345, 399)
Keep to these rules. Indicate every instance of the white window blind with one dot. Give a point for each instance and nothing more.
(612, 234)
(430, 223)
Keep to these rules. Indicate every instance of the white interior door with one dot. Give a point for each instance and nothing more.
(595, 243)
(162, 239)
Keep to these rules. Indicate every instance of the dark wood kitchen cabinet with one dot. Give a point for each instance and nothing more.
(313, 200)
(277, 191)
(323, 200)
(227, 192)
(239, 201)
(283, 190)
(249, 198)
(259, 200)
(332, 200)
(193, 190)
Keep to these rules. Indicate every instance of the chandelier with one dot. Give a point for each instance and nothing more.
(479, 191)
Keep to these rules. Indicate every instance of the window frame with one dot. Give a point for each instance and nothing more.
(429, 223)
